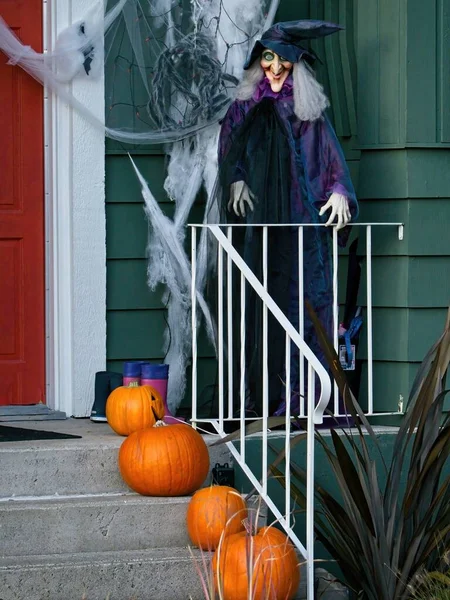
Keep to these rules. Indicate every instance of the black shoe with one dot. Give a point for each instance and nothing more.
(105, 383)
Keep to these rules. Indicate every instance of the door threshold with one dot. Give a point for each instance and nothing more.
(32, 412)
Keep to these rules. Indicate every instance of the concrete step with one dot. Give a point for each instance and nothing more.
(91, 524)
(68, 467)
(59, 467)
(155, 574)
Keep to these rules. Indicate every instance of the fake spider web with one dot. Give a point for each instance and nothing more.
(171, 67)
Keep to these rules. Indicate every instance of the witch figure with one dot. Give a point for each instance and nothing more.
(281, 163)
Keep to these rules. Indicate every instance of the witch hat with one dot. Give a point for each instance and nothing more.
(285, 39)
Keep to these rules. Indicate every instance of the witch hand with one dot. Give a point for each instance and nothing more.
(339, 209)
(240, 195)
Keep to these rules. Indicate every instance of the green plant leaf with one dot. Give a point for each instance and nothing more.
(351, 480)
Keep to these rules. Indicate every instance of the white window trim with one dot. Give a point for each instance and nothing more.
(75, 234)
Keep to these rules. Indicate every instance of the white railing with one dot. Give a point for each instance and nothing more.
(311, 371)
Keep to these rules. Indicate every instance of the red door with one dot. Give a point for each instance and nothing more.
(22, 327)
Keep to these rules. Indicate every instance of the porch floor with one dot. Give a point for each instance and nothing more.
(102, 433)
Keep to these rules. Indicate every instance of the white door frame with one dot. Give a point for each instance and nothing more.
(75, 233)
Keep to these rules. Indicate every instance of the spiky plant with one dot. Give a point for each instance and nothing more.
(383, 537)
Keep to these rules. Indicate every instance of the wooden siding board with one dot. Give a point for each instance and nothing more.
(127, 287)
(390, 73)
(404, 173)
(385, 240)
(389, 334)
(402, 334)
(428, 172)
(426, 325)
(389, 282)
(383, 174)
(349, 69)
(421, 71)
(126, 231)
(127, 228)
(425, 232)
(429, 282)
(368, 60)
(133, 334)
(428, 227)
(402, 281)
(333, 62)
(292, 11)
(443, 66)
(353, 166)
(122, 185)
(392, 381)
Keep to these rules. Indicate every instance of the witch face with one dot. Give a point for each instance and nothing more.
(276, 69)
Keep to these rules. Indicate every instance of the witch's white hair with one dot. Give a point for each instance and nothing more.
(309, 98)
(249, 82)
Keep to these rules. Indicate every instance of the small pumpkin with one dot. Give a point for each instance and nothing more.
(167, 460)
(211, 511)
(268, 555)
(133, 407)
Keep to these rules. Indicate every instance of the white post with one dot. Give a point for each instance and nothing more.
(265, 355)
(75, 232)
(301, 320)
(220, 330)
(335, 312)
(287, 447)
(310, 486)
(369, 321)
(194, 322)
(230, 325)
(242, 387)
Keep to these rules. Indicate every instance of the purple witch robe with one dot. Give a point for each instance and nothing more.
(291, 167)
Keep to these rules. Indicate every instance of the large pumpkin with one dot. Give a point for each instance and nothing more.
(274, 566)
(133, 407)
(211, 511)
(172, 460)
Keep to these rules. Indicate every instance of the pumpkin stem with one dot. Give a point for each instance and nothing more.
(133, 384)
(160, 424)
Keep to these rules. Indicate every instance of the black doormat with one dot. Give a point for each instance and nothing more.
(19, 434)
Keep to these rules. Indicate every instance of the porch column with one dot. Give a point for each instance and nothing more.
(76, 233)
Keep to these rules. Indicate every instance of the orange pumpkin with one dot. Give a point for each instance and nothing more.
(133, 407)
(273, 561)
(172, 460)
(213, 510)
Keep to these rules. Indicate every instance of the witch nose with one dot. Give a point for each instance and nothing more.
(276, 66)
